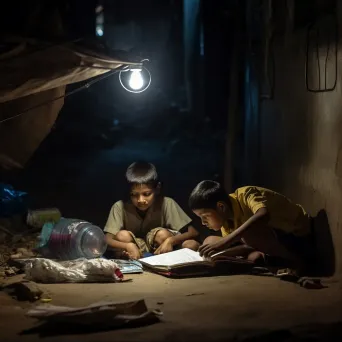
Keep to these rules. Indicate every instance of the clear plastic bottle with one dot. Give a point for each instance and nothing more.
(71, 239)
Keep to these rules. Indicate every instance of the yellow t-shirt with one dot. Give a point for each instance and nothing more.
(284, 214)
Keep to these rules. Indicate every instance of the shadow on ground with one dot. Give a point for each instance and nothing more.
(324, 245)
(307, 333)
(55, 329)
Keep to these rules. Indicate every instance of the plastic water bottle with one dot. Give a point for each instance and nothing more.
(70, 239)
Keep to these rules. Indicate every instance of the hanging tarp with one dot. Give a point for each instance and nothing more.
(29, 67)
(20, 137)
(33, 76)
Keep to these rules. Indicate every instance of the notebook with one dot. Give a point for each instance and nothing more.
(129, 266)
(186, 262)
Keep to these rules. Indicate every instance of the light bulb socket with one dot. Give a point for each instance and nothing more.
(137, 67)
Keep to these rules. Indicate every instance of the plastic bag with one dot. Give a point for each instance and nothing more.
(12, 202)
(76, 271)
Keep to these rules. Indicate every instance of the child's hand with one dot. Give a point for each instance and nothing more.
(132, 251)
(211, 248)
(165, 247)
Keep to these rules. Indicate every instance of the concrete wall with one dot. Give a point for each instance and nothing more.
(300, 136)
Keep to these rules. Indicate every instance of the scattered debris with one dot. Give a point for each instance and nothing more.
(25, 291)
(290, 275)
(125, 280)
(287, 274)
(195, 294)
(18, 264)
(23, 253)
(306, 282)
(11, 271)
(262, 271)
(46, 300)
(19, 243)
(310, 283)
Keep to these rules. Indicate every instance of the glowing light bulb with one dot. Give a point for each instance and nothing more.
(99, 31)
(136, 81)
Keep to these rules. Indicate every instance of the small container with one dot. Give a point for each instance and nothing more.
(37, 218)
(71, 239)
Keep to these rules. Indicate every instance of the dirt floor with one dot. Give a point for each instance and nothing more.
(227, 308)
(85, 185)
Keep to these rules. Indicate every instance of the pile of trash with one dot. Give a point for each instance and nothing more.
(15, 244)
(17, 238)
(81, 270)
(49, 248)
(44, 237)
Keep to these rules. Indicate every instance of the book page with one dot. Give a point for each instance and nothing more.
(222, 255)
(181, 256)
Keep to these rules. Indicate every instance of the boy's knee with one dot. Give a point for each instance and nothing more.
(124, 236)
(211, 239)
(256, 257)
(161, 236)
(191, 244)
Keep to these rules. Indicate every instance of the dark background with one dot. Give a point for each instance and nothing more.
(179, 123)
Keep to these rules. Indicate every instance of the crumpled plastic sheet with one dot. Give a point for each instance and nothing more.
(81, 270)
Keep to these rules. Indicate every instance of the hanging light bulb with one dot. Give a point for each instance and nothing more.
(99, 31)
(135, 78)
(136, 81)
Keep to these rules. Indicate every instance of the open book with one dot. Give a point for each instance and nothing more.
(186, 262)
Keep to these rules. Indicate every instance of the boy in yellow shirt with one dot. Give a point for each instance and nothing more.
(263, 222)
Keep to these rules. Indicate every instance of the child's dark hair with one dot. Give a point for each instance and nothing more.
(206, 195)
(142, 173)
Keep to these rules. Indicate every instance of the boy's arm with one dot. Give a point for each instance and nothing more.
(114, 224)
(190, 234)
(257, 203)
(259, 218)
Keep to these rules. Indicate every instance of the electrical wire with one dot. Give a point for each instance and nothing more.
(332, 32)
(317, 56)
(326, 63)
(72, 92)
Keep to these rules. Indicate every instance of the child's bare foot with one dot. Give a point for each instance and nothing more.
(133, 251)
